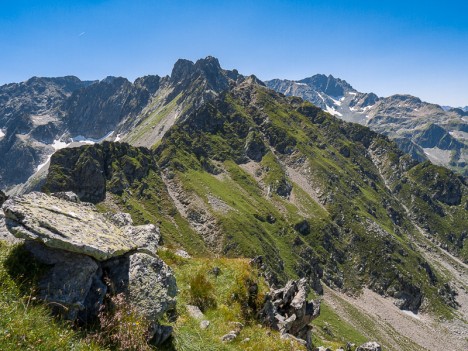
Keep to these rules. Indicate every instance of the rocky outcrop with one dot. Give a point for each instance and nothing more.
(288, 311)
(90, 171)
(91, 255)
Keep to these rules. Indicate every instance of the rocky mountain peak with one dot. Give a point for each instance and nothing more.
(252, 79)
(182, 68)
(328, 84)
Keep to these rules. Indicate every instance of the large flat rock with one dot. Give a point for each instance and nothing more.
(65, 225)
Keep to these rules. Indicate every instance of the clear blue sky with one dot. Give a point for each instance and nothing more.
(416, 47)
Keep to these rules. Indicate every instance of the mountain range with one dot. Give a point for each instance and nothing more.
(227, 166)
(424, 130)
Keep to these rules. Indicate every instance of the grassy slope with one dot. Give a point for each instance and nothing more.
(27, 324)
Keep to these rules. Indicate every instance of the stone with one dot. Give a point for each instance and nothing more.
(350, 346)
(84, 249)
(67, 195)
(216, 271)
(322, 348)
(146, 237)
(229, 337)
(288, 311)
(182, 253)
(120, 219)
(194, 312)
(204, 324)
(65, 225)
(147, 281)
(369, 346)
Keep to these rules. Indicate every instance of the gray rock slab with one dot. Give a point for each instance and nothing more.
(65, 225)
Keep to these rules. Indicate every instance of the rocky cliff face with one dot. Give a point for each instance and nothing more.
(405, 118)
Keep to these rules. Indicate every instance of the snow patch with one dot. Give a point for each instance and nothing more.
(351, 93)
(117, 138)
(321, 96)
(336, 102)
(303, 84)
(332, 111)
(44, 163)
(58, 144)
(84, 140)
(2, 134)
(412, 314)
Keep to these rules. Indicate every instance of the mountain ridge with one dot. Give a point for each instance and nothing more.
(403, 117)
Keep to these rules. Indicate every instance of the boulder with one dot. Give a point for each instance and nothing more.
(288, 310)
(194, 312)
(69, 291)
(146, 280)
(64, 225)
(90, 255)
(67, 195)
(369, 346)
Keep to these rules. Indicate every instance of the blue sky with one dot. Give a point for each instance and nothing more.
(416, 47)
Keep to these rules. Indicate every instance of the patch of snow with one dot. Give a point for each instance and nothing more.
(342, 99)
(2, 134)
(367, 116)
(84, 140)
(337, 102)
(303, 84)
(412, 314)
(416, 109)
(368, 107)
(117, 138)
(351, 93)
(58, 144)
(353, 109)
(44, 163)
(321, 96)
(332, 111)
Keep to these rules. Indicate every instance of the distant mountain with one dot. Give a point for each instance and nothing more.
(228, 167)
(404, 118)
(42, 115)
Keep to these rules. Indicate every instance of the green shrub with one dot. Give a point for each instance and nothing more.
(201, 292)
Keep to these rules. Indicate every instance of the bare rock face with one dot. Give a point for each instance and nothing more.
(3, 197)
(288, 311)
(90, 255)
